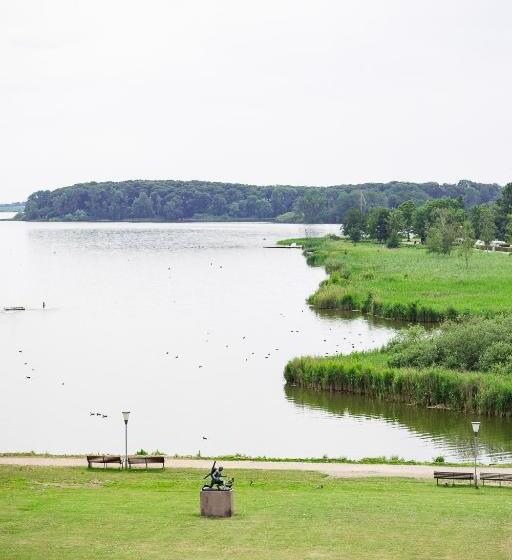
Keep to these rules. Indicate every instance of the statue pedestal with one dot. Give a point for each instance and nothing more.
(217, 503)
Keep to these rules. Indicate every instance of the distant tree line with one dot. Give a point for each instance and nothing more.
(197, 200)
(11, 206)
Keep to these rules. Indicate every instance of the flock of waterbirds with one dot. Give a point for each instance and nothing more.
(231, 345)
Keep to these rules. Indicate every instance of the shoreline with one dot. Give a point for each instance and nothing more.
(32, 457)
(335, 470)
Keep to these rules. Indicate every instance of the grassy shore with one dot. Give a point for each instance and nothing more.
(59, 513)
(408, 283)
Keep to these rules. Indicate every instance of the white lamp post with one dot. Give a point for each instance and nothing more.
(126, 415)
(476, 428)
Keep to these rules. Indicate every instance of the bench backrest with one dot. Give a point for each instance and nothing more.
(136, 460)
(447, 474)
(154, 459)
(146, 459)
(104, 458)
(496, 476)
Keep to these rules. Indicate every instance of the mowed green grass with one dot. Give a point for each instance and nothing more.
(410, 274)
(64, 513)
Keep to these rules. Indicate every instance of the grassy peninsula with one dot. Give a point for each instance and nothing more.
(465, 366)
(63, 513)
(408, 284)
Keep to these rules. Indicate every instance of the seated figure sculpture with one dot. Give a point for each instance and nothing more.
(216, 479)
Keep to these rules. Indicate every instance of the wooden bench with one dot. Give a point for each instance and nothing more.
(453, 476)
(495, 477)
(104, 460)
(146, 460)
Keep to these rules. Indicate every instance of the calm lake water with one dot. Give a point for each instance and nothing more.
(189, 326)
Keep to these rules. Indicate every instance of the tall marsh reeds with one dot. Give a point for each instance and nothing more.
(470, 392)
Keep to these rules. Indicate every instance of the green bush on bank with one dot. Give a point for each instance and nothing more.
(476, 344)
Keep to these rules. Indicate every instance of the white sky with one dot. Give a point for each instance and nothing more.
(281, 91)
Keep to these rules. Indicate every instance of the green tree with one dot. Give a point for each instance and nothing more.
(173, 209)
(487, 224)
(408, 208)
(313, 205)
(503, 210)
(425, 215)
(234, 210)
(443, 232)
(354, 225)
(219, 205)
(142, 206)
(378, 224)
(466, 247)
(396, 223)
(508, 230)
(263, 209)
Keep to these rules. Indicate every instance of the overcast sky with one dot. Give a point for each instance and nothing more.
(312, 92)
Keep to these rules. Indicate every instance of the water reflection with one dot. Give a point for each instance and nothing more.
(449, 432)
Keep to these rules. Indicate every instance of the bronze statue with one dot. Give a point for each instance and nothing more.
(215, 475)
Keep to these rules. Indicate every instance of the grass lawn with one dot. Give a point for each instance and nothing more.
(55, 513)
(398, 278)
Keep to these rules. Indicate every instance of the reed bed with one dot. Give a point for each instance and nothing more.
(367, 373)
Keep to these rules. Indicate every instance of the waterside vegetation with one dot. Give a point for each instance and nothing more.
(409, 284)
(464, 366)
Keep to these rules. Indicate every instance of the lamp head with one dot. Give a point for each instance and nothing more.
(476, 427)
(126, 415)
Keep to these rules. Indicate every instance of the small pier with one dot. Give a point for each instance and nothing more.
(293, 246)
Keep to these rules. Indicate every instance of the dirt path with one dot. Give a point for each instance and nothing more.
(331, 469)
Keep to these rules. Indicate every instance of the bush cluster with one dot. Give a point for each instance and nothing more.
(476, 344)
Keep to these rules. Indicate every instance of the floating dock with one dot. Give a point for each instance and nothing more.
(283, 247)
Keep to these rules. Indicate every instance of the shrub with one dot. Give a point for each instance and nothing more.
(476, 344)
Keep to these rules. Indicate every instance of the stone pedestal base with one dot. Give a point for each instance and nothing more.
(217, 503)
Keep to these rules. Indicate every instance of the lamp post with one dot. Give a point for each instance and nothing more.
(126, 415)
(476, 427)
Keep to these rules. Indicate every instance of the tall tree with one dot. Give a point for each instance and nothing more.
(312, 205)
(354, 225)
(378, 224)
(467, 243)
(443, 231)
(396, 223)
(142, 206)
(408, 208)
(487, 224)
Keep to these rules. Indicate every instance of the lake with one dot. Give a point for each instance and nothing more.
(189, 326)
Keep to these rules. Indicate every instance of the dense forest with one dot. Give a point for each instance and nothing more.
(200, 200)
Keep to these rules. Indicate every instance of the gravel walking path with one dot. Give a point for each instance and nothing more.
(341, 470)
